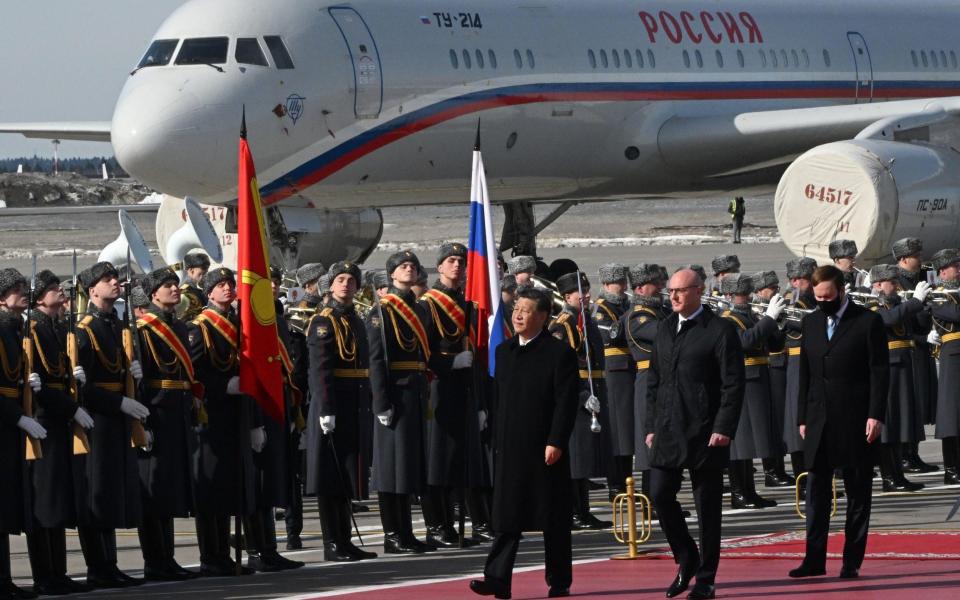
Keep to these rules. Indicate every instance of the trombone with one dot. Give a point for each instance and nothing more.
(550, 287)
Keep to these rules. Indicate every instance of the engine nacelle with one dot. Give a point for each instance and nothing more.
(873, 192)
(313, 235)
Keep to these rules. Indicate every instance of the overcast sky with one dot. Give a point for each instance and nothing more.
(66, 60)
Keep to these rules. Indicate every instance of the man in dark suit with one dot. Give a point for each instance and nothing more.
(534, 414)
(694, 395)
(843, 387)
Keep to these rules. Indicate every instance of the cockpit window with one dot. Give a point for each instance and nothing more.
(202, 51)
(158, 54)
(278, 50)
(248, 52)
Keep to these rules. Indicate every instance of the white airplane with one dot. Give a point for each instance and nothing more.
(373, 103)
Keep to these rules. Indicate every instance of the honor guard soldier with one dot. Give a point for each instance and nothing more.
(381, 283)
(522, 268)
(57, 410)
(339, 385)
(638, 328)
(800, 273)
(612, 303)
(223, 475)
(109, 489)
(754, 437)
(766, 285)
(454, 461)
(590, 452)
(843, 253)
(723, 266)
(15, 425)
(908, 253)
(168, 390)
(192, 299)
(420, 286)
(307, 277)
(399, 352)
(946, 317)
(903, 424)
(274, 464)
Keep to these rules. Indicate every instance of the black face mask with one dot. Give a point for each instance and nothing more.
(831, 307)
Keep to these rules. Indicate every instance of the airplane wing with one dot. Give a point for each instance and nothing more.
(726, 144)
(85, 131)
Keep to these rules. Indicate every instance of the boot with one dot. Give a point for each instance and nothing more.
(344, 511)
(951, 460)
(333, 547)
(893, 479)
(582, 517)
(405, 520)
(750, 488)
(775, 474)
(911, 462)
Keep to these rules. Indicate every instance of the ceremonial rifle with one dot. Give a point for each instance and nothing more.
(81, 445)
(34, 450)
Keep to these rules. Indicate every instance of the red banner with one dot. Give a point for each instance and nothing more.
(260, 358)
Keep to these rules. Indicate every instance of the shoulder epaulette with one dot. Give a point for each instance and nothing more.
(562, 318)
(85, 321)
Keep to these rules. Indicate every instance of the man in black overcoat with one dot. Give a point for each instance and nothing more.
(537, 400)
(844, 373)
(695, 390)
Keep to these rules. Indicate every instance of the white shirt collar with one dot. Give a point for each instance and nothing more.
(524, 342)
(681, 319)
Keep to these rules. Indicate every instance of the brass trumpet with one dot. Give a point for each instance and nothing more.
(551, 288)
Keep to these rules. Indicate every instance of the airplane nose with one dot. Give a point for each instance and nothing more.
(168, 139)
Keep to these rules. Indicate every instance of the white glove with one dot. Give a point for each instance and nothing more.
(921, 291)
(79, 375)
(386, 418)
(132, 408)
(258, 438)
(328, 423)
(463, 360)
(482, 419)
(592, 404)
(149, 445)
(233, 386)
(775, 307)
(34, 381)
(83, 419)
(32, 427)
(933, 338)
(136, 370)
(847, 288)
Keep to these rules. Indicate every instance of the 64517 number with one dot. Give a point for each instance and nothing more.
(828, 194)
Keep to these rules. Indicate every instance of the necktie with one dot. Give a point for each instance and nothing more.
(831, 326)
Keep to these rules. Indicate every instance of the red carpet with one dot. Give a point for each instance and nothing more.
(916, 564)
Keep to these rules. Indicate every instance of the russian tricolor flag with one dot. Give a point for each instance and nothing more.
(483, 281)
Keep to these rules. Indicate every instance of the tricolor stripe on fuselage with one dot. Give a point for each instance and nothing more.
(342, 155)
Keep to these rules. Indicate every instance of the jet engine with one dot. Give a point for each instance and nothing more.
(873, 192)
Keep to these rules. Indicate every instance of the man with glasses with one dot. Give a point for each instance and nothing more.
(694, 394)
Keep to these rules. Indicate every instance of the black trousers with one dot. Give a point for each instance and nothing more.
(858, 483)
(157, 541)
(708, 496)
(99, 546)
(48, 553)
(293, 513)
(558, 553)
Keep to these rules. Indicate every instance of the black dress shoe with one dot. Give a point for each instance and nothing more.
(359, 553)
(162, 573)
(773, 479)
(418, 546)
(739, 501)
(9, 590)
(283, 562)
(356, 507)
(702, 591)
(904, 485)
(914, 464)
(442, 537)
(593, 485)
(125, 579)
(951, 477)
(74, 587)
(588, 521)
(483, 533)
(849, 573)
(42, 588)
(682, 581)
(215, 570)
(294, 542)
(558, 591)
(184, 574)
(805, 570)
(393, 545)
(104, 581)
(334, 552)
(485, 588)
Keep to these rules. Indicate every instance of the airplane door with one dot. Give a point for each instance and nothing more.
(365, 58)
(863, 87)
